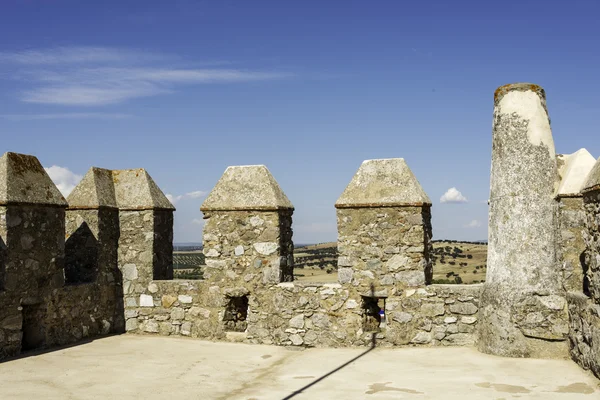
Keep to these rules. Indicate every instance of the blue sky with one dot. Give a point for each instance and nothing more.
(308, 88)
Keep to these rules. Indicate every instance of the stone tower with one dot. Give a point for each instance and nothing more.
(248, 232)
(92, 242)
(32, 246)
(384, 228)
(523, 309)
(146, 236)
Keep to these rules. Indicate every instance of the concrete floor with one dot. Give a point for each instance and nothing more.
(144, 367)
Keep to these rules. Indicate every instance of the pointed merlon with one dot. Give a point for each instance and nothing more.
(383, 183)
(96, 190)
(246, 187)
(593, 179)
(136, 190)
(574, 172)
(23, 180)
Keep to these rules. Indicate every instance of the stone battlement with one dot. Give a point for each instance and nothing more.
(100, 261)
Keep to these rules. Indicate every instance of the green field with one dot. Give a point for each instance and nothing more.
(459, 262)
(188, 264)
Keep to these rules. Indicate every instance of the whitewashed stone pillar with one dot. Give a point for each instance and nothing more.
(523, 309)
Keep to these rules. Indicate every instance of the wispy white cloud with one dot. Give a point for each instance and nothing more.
(473, 224)
(96, 76)
(76, 55)
(191, 195)
(91, 115)
(196, 194)
(82, 95)
(64, 179)
(173, 199)
(453, 195)
(198, 221)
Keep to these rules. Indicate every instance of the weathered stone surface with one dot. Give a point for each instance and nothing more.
(463, 308)
(386, 182)
(522, 227)
(433, 309)
(248, 187)
(95, 190)
(136, 190)
(297, 322)
(266, 248)
(184, 299)
(23, 180)
(168, 300)
(422, 338)
(146, 301)
(364, 233)
(130, 272)
(584, 334)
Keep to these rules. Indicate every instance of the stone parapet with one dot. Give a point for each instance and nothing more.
(310, 315)
(384, 228)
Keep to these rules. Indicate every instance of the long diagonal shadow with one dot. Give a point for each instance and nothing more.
(373, 343)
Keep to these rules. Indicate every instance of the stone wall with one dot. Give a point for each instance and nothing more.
(40, 245)
(592, 241)
(384, 245)
(584, 308)
(388, 245)
(571, 246)
(310, 314)
(248, 248)
(584, 332)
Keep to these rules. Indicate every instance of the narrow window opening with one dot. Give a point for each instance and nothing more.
(586, 278)
(236, 312)
(373, 313)
(34, 335)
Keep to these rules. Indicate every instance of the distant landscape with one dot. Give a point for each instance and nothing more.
(454, 262)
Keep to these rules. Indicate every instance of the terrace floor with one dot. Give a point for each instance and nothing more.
(144, 367)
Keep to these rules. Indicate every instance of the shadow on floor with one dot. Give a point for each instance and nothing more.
(37, 352)
(373, 343)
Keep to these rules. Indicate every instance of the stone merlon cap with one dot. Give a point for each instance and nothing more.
(135, 190)
(246, 187)
(383, 183)
(96, 190)
(519, 87)
(23, 180)
(593, 179)
(574, 172)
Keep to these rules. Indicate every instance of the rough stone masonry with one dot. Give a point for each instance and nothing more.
(248, 294)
